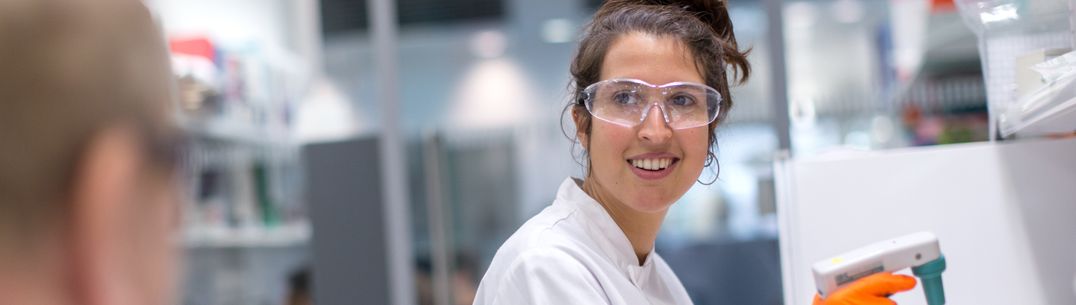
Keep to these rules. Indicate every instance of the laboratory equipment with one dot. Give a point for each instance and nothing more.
(920, 251)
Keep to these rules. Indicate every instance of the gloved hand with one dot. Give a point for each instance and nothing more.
(872, 290)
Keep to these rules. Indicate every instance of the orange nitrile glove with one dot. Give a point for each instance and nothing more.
(872, 290)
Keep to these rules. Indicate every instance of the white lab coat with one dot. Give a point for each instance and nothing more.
(573, 253)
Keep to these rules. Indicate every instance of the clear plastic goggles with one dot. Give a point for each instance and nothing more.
(627, 102)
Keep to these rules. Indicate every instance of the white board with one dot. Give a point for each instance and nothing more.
(1005, 215)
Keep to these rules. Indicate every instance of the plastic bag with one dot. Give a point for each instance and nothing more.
(982, 15)
(1056, 68)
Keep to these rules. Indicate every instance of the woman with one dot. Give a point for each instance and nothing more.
(650, 87)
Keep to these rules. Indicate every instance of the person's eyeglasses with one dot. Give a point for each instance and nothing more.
(627, 102)
(164, 146)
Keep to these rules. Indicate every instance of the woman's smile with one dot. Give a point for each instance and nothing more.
(653, 166)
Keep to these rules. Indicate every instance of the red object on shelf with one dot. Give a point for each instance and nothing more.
(942, 6)
(194, 46)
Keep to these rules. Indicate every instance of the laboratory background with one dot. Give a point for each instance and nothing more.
(380, 151)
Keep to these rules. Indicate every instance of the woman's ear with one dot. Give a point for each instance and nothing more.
(101, 214)
(581, 127)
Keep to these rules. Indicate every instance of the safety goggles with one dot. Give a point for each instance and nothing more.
(627, 102)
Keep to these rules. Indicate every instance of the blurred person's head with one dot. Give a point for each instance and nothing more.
(299, 287)
(657, 42)
(88, 203)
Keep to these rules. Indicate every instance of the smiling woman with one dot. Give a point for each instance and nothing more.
(654, 75)
(650, 85)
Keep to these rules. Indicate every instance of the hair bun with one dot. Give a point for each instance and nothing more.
(713, 13)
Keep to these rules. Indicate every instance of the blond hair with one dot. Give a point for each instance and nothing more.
(69, 69)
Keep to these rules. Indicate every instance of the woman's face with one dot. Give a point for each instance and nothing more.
(614, 149)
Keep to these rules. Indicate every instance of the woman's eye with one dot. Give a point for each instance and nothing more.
(624, 98)
(682, 100)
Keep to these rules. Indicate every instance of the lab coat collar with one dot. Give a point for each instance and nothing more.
(608, 236)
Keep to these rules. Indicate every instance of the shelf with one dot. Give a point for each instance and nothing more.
(230, 131)
(1051, 110)
(292, 235)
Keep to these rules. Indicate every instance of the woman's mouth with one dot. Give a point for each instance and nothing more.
(652, 168)
(652, 164)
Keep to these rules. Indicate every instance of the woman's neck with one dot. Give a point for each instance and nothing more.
(641, 228)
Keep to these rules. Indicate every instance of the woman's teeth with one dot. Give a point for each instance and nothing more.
(651, 164)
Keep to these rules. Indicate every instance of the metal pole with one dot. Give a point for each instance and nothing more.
(439, 223)
(382, 15)
(308, 34)
(779, 74)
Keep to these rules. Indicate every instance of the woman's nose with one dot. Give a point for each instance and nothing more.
(653, 128)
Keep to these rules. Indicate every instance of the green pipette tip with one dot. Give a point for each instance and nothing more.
(930, 275)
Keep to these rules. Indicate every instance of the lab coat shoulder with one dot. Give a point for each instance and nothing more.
(549, 276)
(543, 263)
